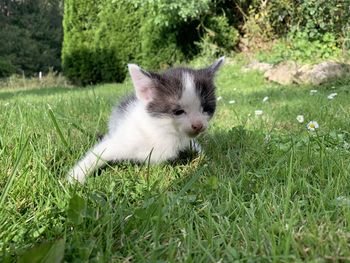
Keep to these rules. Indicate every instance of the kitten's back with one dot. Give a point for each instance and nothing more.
(121, 110)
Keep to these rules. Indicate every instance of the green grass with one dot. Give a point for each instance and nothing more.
(266, 189)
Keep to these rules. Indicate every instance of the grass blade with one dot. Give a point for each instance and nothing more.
(53, 119)
(12, 177)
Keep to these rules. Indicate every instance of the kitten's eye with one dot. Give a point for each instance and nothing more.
(208, 109)
(179, 112)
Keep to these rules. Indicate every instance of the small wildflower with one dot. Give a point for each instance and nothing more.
(258, 112)
(265, 99)
(300, 118)
(332, 96)
(342, 201)
(232, 102)
(312, 125)
(219, 98)
(313, 91)
(267, 138)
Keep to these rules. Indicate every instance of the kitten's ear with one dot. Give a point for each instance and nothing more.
(213, 68)
(143, 83)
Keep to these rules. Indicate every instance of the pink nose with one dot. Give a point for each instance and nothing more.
(197, 126)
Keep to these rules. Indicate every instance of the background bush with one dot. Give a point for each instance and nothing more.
(309, 19)
(154, 34)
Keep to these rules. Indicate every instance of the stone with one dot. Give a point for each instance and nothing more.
(289, 72)
(322, 72)
(259, 66)
(282, 73)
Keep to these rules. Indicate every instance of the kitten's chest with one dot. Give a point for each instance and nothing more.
(164, 144)
(142, 139)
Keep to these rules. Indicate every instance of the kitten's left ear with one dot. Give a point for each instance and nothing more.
(213, 68)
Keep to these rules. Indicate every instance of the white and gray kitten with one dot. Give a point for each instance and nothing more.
(158, 122)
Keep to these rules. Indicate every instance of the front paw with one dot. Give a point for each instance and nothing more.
(76, 175)
(195, 147)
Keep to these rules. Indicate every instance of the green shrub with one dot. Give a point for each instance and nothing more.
(299, 48)
(315, 18)
(159, 47)
(219, 37)
(318, 17)
(102, 36)
(6, 68)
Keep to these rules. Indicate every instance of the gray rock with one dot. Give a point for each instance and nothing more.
(256, 65)
(288, 72)
(283, 73)
(321, 73)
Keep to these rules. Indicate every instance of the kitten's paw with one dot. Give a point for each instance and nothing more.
(76, 175)
(196, 147)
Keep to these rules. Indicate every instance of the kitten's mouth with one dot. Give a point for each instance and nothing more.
(193, 134)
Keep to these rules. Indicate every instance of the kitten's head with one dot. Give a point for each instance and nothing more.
(186, 96)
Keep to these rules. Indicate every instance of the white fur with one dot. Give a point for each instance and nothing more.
(139, 137)
(191, 104)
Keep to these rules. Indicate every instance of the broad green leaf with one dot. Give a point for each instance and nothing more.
(51, 252)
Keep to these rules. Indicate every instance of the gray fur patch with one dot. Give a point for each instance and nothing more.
(120, 110)
(169, 88)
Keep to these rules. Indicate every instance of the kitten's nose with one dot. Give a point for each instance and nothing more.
(197, 126)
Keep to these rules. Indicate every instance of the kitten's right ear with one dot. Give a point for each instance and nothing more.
(216, 65)
(143, 84)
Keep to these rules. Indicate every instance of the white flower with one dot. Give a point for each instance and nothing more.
(258, 112)
(265, 99)
(312, 125)
(267, 138)
(346, 146)
(219, 98)
(232, 102)
(300, 118)
(332, 95)
(313, 91)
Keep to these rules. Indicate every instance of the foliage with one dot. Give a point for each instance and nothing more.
(313, 18)
(318, 17)
(98, 49)
(297, 47)
(219, 37)
(303, 30)
(31, 35)
(171, 13)
(155, 34)
(6, 68)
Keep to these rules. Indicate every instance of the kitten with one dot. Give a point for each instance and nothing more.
(167, 111)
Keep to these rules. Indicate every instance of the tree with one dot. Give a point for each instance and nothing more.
(31, 34)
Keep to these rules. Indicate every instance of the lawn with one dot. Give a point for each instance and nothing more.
(266, 189)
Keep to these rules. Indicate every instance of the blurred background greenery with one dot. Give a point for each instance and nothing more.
(92, 41)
